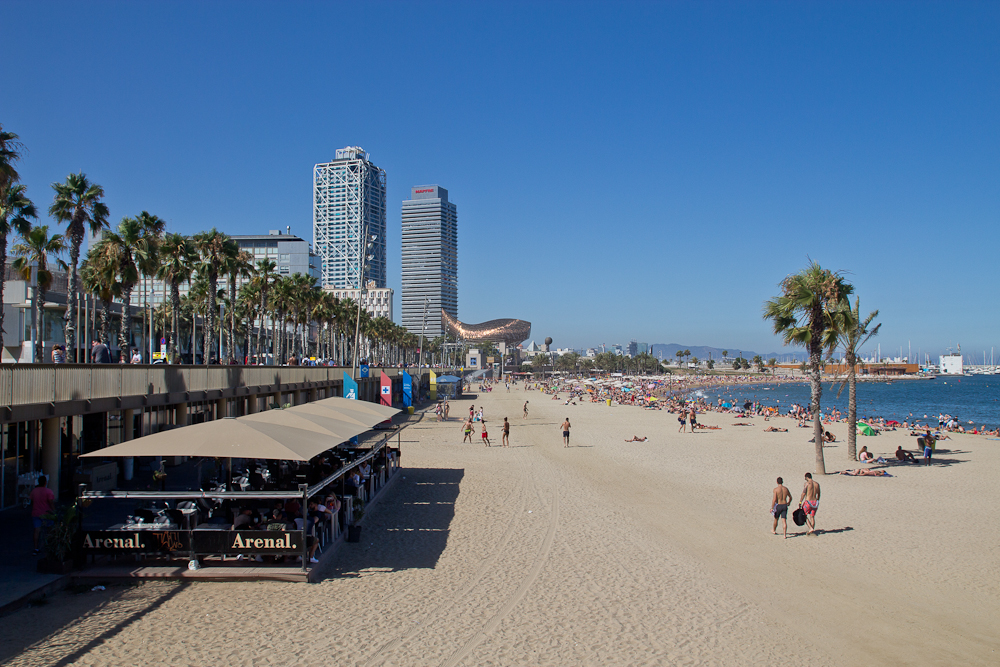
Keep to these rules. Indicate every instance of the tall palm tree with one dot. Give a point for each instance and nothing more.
(177, 262)
(37, 249)
(854, 332)
(78, 204)
(15, 210)
(133, 250)
(99, 276)
(238, 264)
(263, 280)
(11, 151)
(153, 228)
(804, 314)
(213, 246)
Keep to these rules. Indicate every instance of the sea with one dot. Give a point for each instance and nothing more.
(972, 399)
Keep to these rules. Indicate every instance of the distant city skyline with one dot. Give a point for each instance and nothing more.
(647, 171)
(429, 250)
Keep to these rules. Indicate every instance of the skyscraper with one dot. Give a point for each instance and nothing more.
(430, 259)
(349, 204)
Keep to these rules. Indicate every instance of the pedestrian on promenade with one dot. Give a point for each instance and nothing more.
(58, 354)
(43, 501)
(99, 353)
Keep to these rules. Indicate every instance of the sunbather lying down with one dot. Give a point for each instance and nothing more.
(775, 429)
(865, 473)
(636, 438)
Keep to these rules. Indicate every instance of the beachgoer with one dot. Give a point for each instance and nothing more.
(565, 430)
(486, 436)
(505, 438)
(780, 498)
(693, 419)
(809, 502)
(929, 440)
(864, 472)
(775, 429)
(864, 454)
(636, 438)
(903, 455)
(58, 354)
(42, 502)
(682, 420)
(525, 410)
(467, 429)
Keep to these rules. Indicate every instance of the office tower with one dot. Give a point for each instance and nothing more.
(349, 205)
(430, 259)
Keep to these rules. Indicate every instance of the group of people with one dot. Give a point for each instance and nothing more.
(781, 498)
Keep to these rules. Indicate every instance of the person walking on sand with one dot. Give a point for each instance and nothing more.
(809, 502)
(486, 436)
(682, 420)
(467, 429)
(693, 419)
(780, 498)
(565, 430)
(505, 438)
(525, 410)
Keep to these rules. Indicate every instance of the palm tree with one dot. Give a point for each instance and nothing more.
(78, 204)
(725, 354)
(804, 314)
(854, 333)
(238, 264)
(758, 361)
(133, 249)
(772, 363)
(263, 280)
(11, 151)
(36, 249)
(15, 210)
(99, 276)
(177, 261)
(148, 262)
(213, 246)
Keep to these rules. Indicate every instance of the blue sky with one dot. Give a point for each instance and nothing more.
(621, 170)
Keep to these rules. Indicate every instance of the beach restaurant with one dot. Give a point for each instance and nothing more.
(280, 473)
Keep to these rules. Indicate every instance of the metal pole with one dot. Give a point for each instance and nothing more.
(304, 490)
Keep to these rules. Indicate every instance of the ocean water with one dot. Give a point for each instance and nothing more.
(974, 398)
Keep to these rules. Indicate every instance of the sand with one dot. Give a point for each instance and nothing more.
(604, 553)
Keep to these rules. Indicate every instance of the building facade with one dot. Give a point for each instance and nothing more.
(377, 301)
(349, 220)
(430, 260)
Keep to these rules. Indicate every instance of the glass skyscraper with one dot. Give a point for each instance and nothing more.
(430, 259)
(348, 210)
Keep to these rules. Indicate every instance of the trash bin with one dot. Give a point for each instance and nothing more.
(409, 410)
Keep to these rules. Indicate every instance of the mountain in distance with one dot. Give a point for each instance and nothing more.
(669, 351)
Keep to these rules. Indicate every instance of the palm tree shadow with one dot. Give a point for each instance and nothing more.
(832, 531)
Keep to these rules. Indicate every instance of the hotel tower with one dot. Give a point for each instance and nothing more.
(430, 259)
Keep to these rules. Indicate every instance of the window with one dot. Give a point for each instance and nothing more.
(282, 258)
(283, 270)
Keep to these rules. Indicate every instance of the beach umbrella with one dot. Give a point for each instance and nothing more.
(865, 429)
(361, 410)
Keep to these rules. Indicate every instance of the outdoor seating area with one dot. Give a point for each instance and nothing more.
(285, 484)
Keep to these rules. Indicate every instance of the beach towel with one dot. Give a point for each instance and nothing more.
(799, 517)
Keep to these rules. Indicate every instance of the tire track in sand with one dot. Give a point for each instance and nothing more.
(471, 582)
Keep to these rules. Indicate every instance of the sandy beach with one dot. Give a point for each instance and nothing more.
(603, 553)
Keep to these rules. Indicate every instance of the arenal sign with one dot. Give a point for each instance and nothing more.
(196, 541)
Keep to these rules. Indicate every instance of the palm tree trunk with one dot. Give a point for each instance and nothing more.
(106, 323)
(210, 318)
(3, 272)
(72, 303)
(852, 409)
(38, 326)
(175, 318)
(125, 332)
(815, 380)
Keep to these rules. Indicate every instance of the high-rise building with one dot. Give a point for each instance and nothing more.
(430, 259)
(349, 219)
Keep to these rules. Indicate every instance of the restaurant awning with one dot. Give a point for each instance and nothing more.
(236, 438)
(363, 411)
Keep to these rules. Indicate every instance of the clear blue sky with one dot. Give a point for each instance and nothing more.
(621, 170)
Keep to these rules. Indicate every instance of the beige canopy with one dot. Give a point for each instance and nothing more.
(296, 434)
(236, 438)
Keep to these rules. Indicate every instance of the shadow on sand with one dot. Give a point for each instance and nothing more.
(408, 528)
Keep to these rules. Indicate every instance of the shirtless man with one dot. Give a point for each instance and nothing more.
(565, 430)
(780, 498)
(467, 429)
(809, 502)
(504, 440)
(525, 410)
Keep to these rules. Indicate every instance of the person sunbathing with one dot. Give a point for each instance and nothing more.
(904, 455)
(865, 473)
(636, 438)
(865, 456)
(775, 429)
(742, 424)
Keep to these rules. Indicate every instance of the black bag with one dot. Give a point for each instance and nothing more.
(799, 517)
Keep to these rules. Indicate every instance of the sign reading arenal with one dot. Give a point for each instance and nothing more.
(196, 541)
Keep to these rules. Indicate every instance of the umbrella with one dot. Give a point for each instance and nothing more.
(448, 379)
(370, 413)
(338, 430)
(865, 429)
(236, 438)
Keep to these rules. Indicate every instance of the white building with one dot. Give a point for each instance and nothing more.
(377, 301)
(349, 219)
(951, 364)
